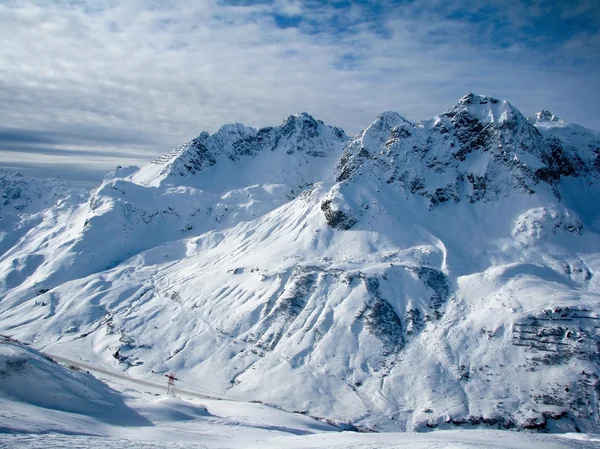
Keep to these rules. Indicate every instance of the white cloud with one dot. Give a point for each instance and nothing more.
(289, 7)
(172, 69)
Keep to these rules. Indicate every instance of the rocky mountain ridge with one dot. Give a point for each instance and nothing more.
(477, 150)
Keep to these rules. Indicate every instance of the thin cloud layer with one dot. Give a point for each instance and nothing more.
(151, 75)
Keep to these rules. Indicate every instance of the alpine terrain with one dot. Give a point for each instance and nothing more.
(415, 276)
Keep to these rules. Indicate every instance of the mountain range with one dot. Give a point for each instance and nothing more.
(417, 275)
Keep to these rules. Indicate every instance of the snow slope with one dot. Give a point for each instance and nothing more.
(43, 404)
(438, 440)
(41, 397)
(33, 383)
(417, 276)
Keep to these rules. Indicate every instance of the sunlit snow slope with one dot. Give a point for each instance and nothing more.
(418, 275)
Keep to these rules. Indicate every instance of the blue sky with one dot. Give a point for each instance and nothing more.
(88, 85)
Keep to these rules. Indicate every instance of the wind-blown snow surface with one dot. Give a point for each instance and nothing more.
(419, 275)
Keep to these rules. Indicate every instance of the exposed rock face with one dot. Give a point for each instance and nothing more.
(336, 217)
(479, 150)
(298, 133)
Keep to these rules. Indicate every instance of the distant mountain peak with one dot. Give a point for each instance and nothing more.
(22, 194)
(486, 109)
(302, 121)
(545, 116)
(391, 116)
(234, 128)
(470, 98)
(302, 116)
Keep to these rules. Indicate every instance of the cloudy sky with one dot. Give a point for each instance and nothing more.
(86, 85)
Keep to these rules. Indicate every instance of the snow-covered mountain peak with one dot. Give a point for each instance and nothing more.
(299, 134)
(486, 109)
(369, 142)
(391, 117)
(545, 116)
(482, 149)
(379, 131)
(303, 119)
(233, 130)
(304, 126)
(471, 98)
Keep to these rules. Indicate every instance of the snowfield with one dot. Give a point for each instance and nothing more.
(48, 405)
(439, 275)
(457, 439)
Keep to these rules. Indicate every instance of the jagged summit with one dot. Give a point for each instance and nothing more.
(471, 98)
(361, 147)
(486, 109)
(227, 130)
(479, 150)
(299, 136)
(302, 119)
(545, 116)
(391, 117)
